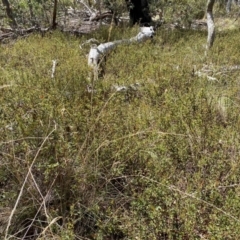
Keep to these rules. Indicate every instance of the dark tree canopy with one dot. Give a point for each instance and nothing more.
(139, 12)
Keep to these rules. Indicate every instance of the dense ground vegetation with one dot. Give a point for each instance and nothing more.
(158, 159)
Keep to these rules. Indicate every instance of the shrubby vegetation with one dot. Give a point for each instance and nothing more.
(158, 160)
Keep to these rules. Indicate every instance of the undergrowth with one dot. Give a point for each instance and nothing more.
(159, 160)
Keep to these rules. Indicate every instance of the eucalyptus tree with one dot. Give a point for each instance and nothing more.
(229, 5)
(139, 13)
(210, 23)
(54, 18)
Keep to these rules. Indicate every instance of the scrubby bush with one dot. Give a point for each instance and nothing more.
(157, 161)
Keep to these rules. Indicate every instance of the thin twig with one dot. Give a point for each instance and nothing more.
(24, 183)
(230, 186)
(21, 139)
(94, 125)
(49, 225)
(53, 68)
(43, 204)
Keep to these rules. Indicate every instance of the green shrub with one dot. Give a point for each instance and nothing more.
(159, 161)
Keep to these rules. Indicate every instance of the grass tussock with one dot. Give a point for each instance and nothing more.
(159, 160)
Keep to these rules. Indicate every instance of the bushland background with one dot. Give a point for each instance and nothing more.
(157, 160)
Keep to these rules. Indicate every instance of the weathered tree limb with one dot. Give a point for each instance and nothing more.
(9, 33)
(212, 73)
(96, 53)
(210, 24)
(23, 31)
(99, 16)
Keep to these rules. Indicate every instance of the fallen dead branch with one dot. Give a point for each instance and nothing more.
(212, 72)
(97, 53)
(99, 16)
(9, 33)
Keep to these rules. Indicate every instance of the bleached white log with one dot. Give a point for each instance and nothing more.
(97, 52)
(144, 34)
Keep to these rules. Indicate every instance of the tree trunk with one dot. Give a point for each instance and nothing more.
(10, 14)
(139, 12)
(54, 23)
(228, 6)
(210, 23)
